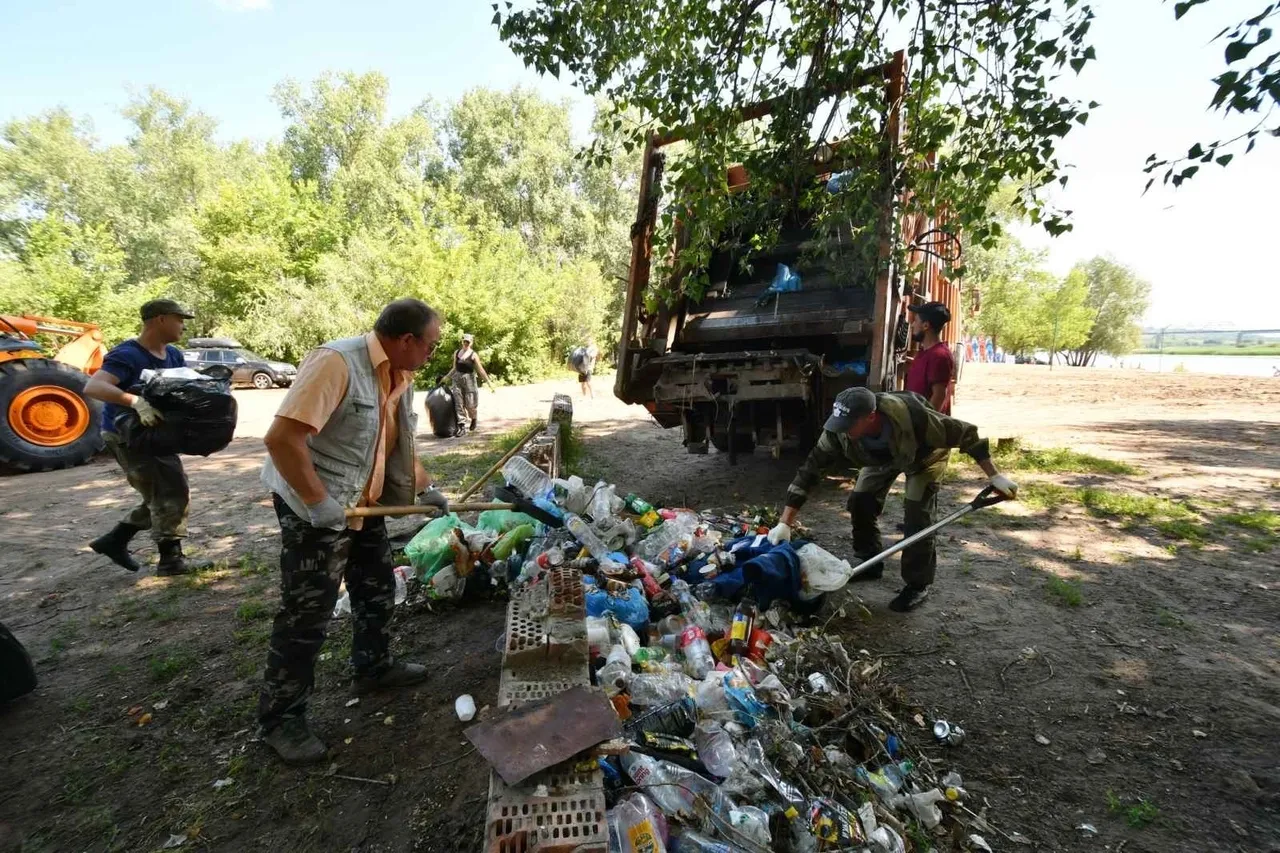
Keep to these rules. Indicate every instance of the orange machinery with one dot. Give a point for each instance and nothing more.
(46, 422)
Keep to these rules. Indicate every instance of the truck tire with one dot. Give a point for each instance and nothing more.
(46, 422)
(743, 442)
(17, 673)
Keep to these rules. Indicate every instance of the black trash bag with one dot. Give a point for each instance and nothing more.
(442, 410)
(199, 416)
(17, 673)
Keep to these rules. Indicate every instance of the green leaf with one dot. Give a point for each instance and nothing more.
(1195, 151)
(1225, 159)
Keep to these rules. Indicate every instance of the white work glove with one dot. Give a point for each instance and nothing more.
(1005, 486)
(147, 413)
(780, 533)
(327, 513)
(434, 497)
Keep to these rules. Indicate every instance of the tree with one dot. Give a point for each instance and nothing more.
(981, 105)
(1117, 299)
(1002, 284)
(1065, 319)
(1248, 88)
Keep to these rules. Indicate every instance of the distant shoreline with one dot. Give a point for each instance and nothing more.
(1252, 350)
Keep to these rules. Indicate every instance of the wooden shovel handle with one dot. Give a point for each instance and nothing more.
(372, 511)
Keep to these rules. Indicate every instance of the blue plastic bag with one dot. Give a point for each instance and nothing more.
(747, 709)
(630, 607)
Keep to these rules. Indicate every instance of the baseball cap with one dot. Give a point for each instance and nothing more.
(160, 307)
(471, 339)
(932, 312)
(851, 406)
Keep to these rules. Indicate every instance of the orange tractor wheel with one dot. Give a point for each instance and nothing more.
(45, 421)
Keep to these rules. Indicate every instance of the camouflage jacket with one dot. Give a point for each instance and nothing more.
(916, 435)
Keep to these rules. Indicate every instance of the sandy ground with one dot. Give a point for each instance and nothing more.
(1158, 689)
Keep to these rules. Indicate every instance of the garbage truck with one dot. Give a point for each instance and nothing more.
(750, 364)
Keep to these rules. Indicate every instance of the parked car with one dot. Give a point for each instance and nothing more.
(247, 367)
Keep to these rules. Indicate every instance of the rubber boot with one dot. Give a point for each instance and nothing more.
(173, 563)
(116, 545)
(295, 743)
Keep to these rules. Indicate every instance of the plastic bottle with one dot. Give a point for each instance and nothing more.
(465, 707)
(649, 655)
(526, 478)
(793, 801)
(647, 573)
(629, 639)
(659, 781)
(692, 841)
(584, 534)
(752, 823)
(343, 605)
(616, 672)
(698, 660)
(511, 540)
(695, 610)
(652, 689)
(715, 748)
(637, 505)
(887, 780)
(638, 826)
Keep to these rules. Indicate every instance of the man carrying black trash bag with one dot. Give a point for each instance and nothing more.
(342, 438)
(886, 435)
(158, 478)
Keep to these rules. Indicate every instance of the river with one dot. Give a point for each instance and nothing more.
(1222, 365)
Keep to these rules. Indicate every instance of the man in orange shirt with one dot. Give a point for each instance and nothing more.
(342, 438)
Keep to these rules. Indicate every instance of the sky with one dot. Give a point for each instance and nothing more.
(1199, 246)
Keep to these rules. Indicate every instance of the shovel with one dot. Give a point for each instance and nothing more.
(985, 498)
(418, 509)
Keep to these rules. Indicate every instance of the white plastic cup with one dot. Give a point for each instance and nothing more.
(465, 707)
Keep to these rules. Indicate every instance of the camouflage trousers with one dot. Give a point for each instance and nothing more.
(919, 561)
(162, 483)
(312, 562)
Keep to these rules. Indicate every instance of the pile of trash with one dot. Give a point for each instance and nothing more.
(747, 726)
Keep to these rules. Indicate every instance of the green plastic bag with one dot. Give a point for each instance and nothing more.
(432, 548)
(512, 540)
(502, 521)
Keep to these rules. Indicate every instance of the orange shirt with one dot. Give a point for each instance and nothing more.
(320, 387)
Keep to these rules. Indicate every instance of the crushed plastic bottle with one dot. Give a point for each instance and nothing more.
(715, 748)
(641, 827)
(593, 543)
(752, 823)
(692, 841)
(793, 801)
(694, 609)
(659, 779)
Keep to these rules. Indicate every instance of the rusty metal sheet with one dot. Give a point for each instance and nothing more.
(539, 735)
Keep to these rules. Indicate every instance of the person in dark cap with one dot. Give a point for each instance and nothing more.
(933, 368)
(885, 435)
(160, 480)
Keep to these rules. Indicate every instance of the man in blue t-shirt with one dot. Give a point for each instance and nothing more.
(160, 480)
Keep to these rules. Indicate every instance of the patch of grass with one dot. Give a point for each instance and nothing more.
(117, 669)
(1064, 591)
(1137, 813)
(252, 566)
(1259, 520)
(168, 666)
(253, 610)
(1046, 495)
(1076, 556)
(1015, 456)
(66, 634)
(1168, 619)
(164, 612)
(254, 636)
(80, 706)
(1171, 518)
(1260, 544)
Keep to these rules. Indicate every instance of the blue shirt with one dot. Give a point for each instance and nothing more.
(126, 363)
